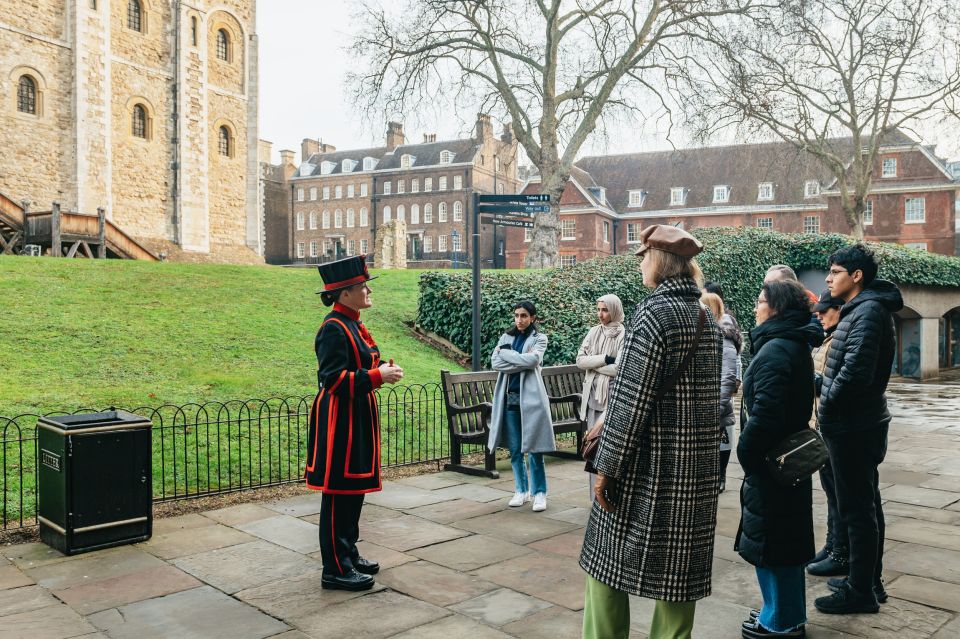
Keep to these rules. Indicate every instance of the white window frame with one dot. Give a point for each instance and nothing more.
(458, 211)
(428, 213)
(916, 245)
(457, 182)
(300, 250)
(338, 219)
(406, 161)
(868, 212)
(364, 220)
(415, 185)
(721, 193)
(351, 218)
(633, 232)
(811, 188)
(636, 197)
(314, 248)
(764, 222)
(313, 194)
(527, 234)
(456, 242)
(402, 213)
(442, 243)
(678, 196)
(326, 219)
(351, 247)
(414, 214)
(809, 226)
(387, 187)
(363, 189)
(606, 231)
(350, 190)
(920, 215)
(338, 192)
(442, 183)
(346, 166)
(442, 212)
(427, 244)
(300, 194)
(327, 167)
(369, 163)
(764, 191)
(326, 192)
(387, 214)
(427, 184)
(363, 246)
(299, 220)
(888, 167)
(568, 229)
(446, 157)
(568, 260)
(312, 220)
(401, 186)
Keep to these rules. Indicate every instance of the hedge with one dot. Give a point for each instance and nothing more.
(737, 258)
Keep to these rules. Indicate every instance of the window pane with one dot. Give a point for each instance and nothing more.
(224, 141)
(134, 15)
(811, 224)
(139, 124)
(568, 229)
(915, 209)
(223, 45)
(27, 95)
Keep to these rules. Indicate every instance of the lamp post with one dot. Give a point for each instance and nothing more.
(453, 239)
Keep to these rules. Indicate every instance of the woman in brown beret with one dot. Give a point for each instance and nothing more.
(650, 531)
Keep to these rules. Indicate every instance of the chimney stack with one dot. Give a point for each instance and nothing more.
(394, 135)
(264, 151)
(429, 137)
(287, 163)
(484, 129)
(307, 148)
(507, 136)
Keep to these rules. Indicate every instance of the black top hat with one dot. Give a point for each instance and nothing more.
(827, 301)
(344, 273)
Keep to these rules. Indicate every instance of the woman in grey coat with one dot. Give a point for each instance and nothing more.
(729, 377)
(651, 529)
(521, 409)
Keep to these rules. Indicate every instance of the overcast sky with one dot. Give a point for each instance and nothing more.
(302, 68)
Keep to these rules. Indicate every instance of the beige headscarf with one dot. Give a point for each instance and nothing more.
(606, 340)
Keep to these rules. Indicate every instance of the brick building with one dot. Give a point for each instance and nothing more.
(340, 197)
(610, 199)
(147, 108)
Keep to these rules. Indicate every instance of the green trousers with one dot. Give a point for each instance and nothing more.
(606, 615)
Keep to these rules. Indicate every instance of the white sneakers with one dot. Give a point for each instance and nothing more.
(518, 499)
(539, 502)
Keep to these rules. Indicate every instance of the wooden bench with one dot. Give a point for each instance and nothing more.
(469, 403)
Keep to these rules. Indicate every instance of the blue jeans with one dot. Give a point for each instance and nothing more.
(513, 433)
(784, 598)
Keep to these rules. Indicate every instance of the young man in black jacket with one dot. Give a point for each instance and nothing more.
(854, 419)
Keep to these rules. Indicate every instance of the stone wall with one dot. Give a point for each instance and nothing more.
(391, 246)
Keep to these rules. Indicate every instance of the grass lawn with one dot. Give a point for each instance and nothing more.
(94, 333)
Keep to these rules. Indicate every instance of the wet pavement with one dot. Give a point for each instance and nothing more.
(457, 562)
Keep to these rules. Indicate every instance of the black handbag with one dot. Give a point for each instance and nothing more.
(797, 457)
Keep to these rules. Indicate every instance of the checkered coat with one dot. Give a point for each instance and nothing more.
(663, 458)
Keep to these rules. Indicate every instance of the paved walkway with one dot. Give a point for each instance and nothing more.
(457, 562)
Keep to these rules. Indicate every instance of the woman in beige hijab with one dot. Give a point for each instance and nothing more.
(598, 357)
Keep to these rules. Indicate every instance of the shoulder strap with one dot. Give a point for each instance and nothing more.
(671, 381)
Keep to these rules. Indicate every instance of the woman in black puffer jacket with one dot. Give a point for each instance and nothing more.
(776, 525)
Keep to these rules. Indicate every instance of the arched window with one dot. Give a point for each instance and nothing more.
(313, 220)
(193, 30)
(401, 213)
(338, 219)
(363, 217)
(351, 219)
(386, 214)
(458, 211)
(427, 213)
(135, 15)
(223, 45)
(326, 219)
(138, 124)
(414, 214)
(442, 212)
(27, 95)
(224, 142)
(299, 220)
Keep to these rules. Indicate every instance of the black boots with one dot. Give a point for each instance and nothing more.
(835, 564)
(836, 583)
(351, 580)
(366, 566)
(820, 556)
(845, 600)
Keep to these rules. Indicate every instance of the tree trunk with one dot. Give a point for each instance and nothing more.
(542, 251)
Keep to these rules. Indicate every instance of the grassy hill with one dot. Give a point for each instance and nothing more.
(91, 333)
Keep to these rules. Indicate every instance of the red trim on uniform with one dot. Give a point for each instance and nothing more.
(346, 310)
(346, 463)
(356, 351)
(362, 491)
(331, 431)
(376, 377)
(333, 537)
(336, 384)
(316, 421)
(344, 283)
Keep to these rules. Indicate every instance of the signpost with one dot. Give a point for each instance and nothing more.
(516, 211)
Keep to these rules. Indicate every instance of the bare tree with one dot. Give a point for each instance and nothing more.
(832, 77)
(555, 68)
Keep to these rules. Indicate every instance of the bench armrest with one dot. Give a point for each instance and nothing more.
(484, 408)
(573, 398)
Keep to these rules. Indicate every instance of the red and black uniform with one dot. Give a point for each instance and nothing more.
(343, 448)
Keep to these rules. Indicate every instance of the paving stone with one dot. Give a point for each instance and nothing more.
(897, 619)
(182, 522)
(291, 634)
(52, 622)
(501, 607)
(386, 557)
(714, 618)
(474, 492)
(568, 544)
(470, 553)
(452, 626)
(463, 478)
(903, 477)
(576, 515)
(190, 542)
(202, 613)
(516, 526)
(32, 555)
(93, 566)
(920, 496)
(938, 594)
(25, 599)
(372, 512)
(942, 482)
(736, 582)
(285, 531)
(298, 506)
(434, 584)
(728, 521)
(914, 559)
(577, 497)
(240, 514)
(552, 578)
(551, 623)
(925, 533)
(447, 512)
(372, 616)
(108, 593)
(432, 481)
(402, 497)
(408, 532)
(246, 566)
(297, 598)
(937, 515)
(13, 577)
(949, 630)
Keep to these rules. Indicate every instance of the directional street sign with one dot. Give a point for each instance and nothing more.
(501, 221)
(517, 197)
(528, 209)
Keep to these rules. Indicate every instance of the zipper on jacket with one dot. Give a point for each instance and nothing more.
(781, 460)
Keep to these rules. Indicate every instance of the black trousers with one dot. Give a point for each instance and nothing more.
(836, 534)
(339, 532)
(856, 458)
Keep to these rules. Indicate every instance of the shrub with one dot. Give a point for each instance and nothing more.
(737, 258)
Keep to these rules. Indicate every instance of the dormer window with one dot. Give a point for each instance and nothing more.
(327, 167)
(369, 163)
(347, 166)
(599, 193)
(889, 167)
(636, 197)
(811, 188)
(406, 161)
(306, 169)
(446, 157)
(721, 193)
(678, 196)
(765, 191)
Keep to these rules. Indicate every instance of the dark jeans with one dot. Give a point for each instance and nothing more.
(836, 534)
(855, 458)
(339, 532)
(724, 460)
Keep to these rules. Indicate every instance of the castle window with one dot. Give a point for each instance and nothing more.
(27, 95)
(193, 30)
(139, 121)
(224, 142)
(223, 45)
(135, 15)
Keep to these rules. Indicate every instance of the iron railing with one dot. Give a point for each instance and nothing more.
(221, 447)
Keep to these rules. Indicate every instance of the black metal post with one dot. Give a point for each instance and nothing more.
(475, 355)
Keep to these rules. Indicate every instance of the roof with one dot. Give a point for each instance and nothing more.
(426, 154)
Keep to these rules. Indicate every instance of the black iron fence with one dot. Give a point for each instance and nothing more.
(220, 447)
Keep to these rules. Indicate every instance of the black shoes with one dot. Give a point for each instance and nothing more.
(833, 565)
(352, 580)
(845, 601)
(820, 556)
(836, 583)
(751, 629)
(366, 566)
